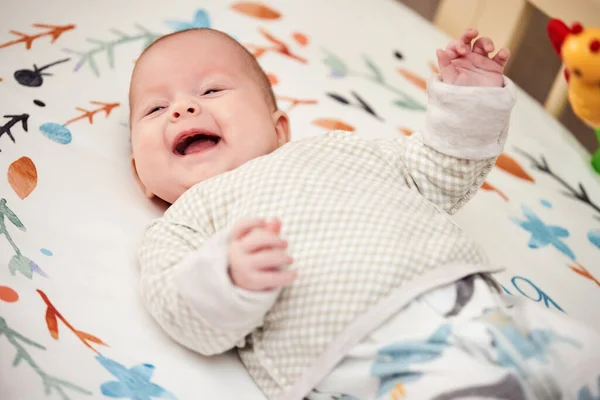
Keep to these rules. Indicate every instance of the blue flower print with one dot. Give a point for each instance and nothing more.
(201, 20)
(543, 235)
(132, 383)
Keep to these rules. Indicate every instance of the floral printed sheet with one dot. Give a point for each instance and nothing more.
(71, 323)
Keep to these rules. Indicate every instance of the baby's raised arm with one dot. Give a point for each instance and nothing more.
(468, 116)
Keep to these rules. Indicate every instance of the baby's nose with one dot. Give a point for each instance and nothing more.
(185, 109)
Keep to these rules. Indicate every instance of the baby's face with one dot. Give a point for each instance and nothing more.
(196, 112)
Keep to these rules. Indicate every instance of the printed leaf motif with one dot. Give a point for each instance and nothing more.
(411, 105)
(91, 338)
(56, 132)
(338, 68)
(277, 46)
(300, 38)
(413, 78)
(405, 131)
(8, 294)
(20, 263)
(294, 101)
(377, 75)
(594, 237)
(22, 176)
(108, 46)
(333, 124)
(55, 31)
(256, 10)
(581, 270)
(339, 98)
(273, 80)
(365, 105)
(52, 384)
(102, 107)
(52, 315)
(487, 186)
(52, 323)
(12, 217)
(510, 165)
(201, 20)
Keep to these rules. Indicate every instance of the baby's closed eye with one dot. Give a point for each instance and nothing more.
(154, 109)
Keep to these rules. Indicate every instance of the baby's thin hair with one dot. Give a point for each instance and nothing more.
(256, 70)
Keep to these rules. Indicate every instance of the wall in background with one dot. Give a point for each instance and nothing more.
(534, 66)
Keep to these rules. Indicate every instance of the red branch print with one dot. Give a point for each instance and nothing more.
(488, 186)
(106, 107)
(278, 47)
(581, 270)
(52, 318)
(51, 30)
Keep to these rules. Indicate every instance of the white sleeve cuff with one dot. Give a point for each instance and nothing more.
(203, 281)
(469, 122)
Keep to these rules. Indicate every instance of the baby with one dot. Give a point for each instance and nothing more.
(332, 263)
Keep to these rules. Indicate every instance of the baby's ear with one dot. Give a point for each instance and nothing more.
(282, 127)
(148, 193)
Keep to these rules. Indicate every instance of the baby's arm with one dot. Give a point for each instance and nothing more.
(468, 115)
(186, 284)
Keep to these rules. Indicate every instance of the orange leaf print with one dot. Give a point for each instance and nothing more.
(8, 295)
(256, 10)
(398, 392)
(581, 270)
(487, 186)
(413, 78)
(22, 176)
(300, 38)
(272, 79)
(52, 322)
(434, 68)
(87, 337)
(405, 131)
(510, 165)
(333, 124)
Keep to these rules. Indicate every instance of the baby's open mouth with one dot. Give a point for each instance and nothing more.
(196, 143)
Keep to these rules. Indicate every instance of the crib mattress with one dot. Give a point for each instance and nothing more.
(72, 325)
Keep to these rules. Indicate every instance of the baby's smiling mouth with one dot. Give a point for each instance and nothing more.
(195, 142)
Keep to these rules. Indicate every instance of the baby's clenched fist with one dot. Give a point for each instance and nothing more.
(257, 255)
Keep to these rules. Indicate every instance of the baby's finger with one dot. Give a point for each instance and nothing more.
(502, 57)
(273, 279)
(267, 259)
(243, 226)
(443, 58)
(260, 239)
(274, 225)
(468, 36)
(458, 48)
(483, 46)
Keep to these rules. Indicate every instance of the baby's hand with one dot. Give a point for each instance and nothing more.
(257, 255)
(465, 66)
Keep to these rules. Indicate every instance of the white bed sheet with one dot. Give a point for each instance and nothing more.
(74, 317)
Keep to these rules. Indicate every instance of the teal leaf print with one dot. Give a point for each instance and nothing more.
(377, 75)
(594, 237)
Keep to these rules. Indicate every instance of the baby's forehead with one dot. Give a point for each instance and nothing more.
(196, 45)
(176, 53)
